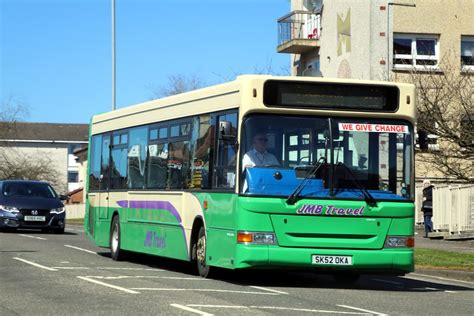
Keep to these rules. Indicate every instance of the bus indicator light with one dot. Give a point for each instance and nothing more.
(256, 238)
(244, 237)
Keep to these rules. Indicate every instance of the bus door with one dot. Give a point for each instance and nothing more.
(93, 193)
(103, 199)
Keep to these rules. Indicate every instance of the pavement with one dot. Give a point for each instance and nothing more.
(461, 246)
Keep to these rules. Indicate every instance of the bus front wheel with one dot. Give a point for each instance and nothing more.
(115, 252)
(203, 269)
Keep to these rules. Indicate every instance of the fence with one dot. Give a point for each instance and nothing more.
(299, 25)
(75, 210)
(453, 208)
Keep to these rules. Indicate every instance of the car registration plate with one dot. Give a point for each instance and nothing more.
(332, 260)
(35, 218)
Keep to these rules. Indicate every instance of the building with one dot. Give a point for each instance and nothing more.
(44, 145)
(385, 40)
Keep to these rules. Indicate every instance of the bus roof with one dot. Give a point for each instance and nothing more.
(246, 93)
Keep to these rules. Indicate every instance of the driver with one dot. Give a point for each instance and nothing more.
(258, 155)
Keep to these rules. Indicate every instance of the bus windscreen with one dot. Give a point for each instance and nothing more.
(330, 96)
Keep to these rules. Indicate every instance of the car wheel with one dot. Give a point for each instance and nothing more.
(201, 248)
(115, 252)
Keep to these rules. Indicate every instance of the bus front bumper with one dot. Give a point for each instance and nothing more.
(388, 261)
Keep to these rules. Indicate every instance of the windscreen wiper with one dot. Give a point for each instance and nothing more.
(294, 197)
(367, 196)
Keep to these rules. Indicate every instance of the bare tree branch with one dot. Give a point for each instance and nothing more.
(14, 163)
(446, 109)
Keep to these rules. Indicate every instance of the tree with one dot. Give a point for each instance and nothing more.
(177, 84)
(446, 113)
(15, 163)
(181, 83)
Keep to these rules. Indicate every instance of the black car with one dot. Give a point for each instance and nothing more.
(31, 204)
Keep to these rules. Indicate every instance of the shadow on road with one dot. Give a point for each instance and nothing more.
(294, 278)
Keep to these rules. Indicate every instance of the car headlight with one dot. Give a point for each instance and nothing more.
(9, 209)
(58, 210)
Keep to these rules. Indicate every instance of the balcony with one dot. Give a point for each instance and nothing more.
(299, 32)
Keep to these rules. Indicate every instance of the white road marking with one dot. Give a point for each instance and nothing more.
(119, 277)
(362, 310)
(35, 264)
(218, 306)
(29, 236)
(426, 276)
(454, 292)
(432, 289)
(275, 308)
(201, 290)
(130, 269)
(81, 249)
(189, 309)
(108, 285)
(269, 290)
(71, 268)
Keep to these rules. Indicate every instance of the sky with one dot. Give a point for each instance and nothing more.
(56, 55)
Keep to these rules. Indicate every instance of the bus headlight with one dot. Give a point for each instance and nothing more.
(260, 238)
(399, 242)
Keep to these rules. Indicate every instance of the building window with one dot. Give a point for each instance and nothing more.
(72, 147)
(419, 51)
(72, 177)
(467, 52)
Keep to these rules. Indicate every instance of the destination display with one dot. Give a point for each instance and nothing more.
(331, 96)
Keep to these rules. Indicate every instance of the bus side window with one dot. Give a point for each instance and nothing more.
(178, 165)
(137, 153)
(94, 176)
(202, 140)
(225, 158)
(118, 162)
(157, 166)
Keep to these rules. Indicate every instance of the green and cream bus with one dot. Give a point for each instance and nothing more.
(167, 177)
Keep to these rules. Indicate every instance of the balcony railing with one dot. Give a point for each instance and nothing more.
(298, 32)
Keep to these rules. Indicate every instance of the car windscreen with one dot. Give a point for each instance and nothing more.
(25, 189)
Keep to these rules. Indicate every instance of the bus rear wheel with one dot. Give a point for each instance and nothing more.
(201, 248)
(115, 252)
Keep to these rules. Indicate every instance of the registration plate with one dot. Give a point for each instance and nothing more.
(332, 260)
(35, 218)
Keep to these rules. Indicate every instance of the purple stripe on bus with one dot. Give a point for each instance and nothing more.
(155, 205)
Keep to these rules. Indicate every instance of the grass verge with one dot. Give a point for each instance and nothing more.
(75, 221)
(440, 259)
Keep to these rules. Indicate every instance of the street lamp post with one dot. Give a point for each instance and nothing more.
(113, 56)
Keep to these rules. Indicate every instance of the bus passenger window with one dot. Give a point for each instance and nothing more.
(178, 165)
(203, 137)
(94, 176)
(157, 170)
(226, 160)
(137, 152)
